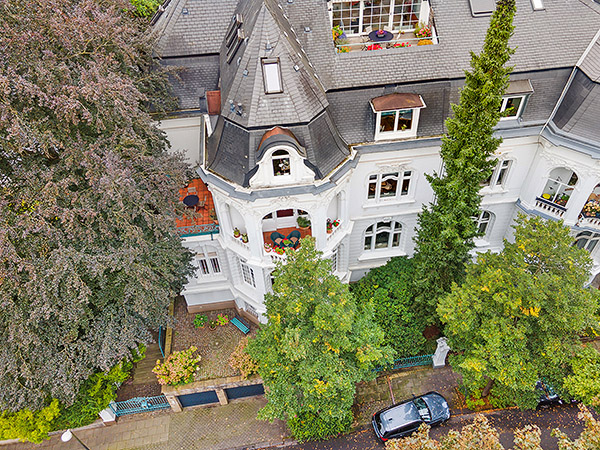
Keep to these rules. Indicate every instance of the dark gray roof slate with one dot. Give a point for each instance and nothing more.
(539, 42)
(227, 151)
(590, 64)
(579, 110)
(196, 75)
(200, 31)
(302, 98)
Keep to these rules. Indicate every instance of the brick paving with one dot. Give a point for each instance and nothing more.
(214, 346)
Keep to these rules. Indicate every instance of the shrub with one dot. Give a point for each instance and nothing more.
(222, 319)
(27, 425)
(304, 222)
(145, 8)
(200, 320)
(240, 360)
(178, 368)
(390, 289)
(315, 426)
(584, 382)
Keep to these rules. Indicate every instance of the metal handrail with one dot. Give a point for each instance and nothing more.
(160, 345)
(411, 361)
(387, 44)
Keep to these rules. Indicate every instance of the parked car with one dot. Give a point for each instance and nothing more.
(406, 417)
(547, 395)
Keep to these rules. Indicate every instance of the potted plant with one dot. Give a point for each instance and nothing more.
(200, 320)
(244, 238)
(336, 223)
(279, 250)
(236, 232)
(222, 320)
(268, 247)
(329, 226)
(303, 222)
(213, 216)
(212, 325)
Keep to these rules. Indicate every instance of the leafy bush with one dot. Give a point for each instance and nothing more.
(94, 395)
(315, 426)
(200, 320)
(222, 320)
(28, 425)
(390, 288)
(584, 383)
(145, 8)
(178, 368)
(242, 361)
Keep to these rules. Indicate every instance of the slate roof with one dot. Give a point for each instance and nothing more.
(554, 37)
(269, 36)
(193, 77)
(578, 114)
(193, 27)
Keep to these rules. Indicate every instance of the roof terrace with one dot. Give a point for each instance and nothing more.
(379, 24)
(201, 218)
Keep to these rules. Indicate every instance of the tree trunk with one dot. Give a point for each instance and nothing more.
(487, 388)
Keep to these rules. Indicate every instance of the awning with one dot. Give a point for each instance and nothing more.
(396, 101)
(519, 87)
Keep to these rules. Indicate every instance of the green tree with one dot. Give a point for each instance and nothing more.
(584, 381)
(517, 316)
(446, 229)
(390, 288)
(316, 345)
(88, 196)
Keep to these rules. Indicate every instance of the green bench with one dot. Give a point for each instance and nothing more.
(240, 325)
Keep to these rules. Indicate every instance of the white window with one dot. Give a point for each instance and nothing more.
(482, 221)
(389, 185)
(512, 106)
(281, 163)
(587, 240)
(247, 274)
(499, 175)
(207, 263)
(272, 76)
(361, 17)
(397, 123)
(382, 235)
(560, 186)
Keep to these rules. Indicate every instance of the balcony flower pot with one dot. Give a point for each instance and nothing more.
(268, 247)
(244, 238)
(212, 325)
(236, 233)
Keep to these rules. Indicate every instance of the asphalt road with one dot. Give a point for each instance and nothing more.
(505, 421)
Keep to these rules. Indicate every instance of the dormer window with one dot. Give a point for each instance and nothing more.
(272, 75)
(397, 115)
(281, 163)
(514, 99)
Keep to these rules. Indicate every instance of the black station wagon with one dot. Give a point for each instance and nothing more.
(406, 417)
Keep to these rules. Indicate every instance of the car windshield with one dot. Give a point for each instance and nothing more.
(422, 408)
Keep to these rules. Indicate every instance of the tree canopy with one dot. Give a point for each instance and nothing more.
(517, 316)
(89, 258)
(446, 228)
(317, 344)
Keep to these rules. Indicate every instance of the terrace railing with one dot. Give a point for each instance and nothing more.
(198, 230)
(411, 361)
(395, 43)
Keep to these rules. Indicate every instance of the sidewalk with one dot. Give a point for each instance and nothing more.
(216, 428)
(234, 426)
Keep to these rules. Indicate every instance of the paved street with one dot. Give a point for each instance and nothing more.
(564, 417)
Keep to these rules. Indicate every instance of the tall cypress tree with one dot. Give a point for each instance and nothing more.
(446, 228)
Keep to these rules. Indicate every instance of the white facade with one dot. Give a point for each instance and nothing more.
(359, 201)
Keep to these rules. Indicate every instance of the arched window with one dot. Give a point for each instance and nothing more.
(281, 163)
(389, 185)
(587, 240)
(482, 221)
(383, 235)
(559, 186)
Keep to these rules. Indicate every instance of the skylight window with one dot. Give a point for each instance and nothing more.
(537, 5)
(481, 8)
(272, 76)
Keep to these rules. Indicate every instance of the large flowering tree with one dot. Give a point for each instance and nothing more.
(88, 257)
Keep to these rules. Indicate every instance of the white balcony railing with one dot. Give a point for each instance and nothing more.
(549, 207)
(592, 222)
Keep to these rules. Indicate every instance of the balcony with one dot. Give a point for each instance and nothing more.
(590, 213)
(201, 219)
(550, 207)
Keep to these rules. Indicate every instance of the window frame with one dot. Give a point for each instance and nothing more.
(563, 187)
(590, 237)
(400, 176)
(281, 157)
(247, 272)
(267, 75)
(406, 133)
(505, 100)
(393, 229)
(393, 14)
(482, 219)
(208, 263)
(502, 167)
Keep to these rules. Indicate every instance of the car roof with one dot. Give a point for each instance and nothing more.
(399, 415)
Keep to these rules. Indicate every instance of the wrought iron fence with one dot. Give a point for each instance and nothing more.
(411, 361)
(139, 405)
(197, 230)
